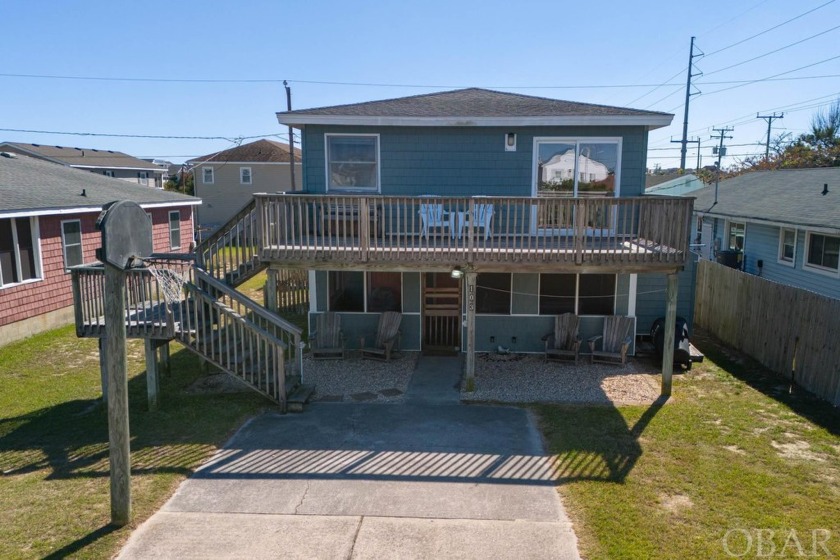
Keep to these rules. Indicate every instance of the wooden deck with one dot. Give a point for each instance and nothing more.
(641, 234)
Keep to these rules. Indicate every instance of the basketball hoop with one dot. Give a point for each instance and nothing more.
(171, 282)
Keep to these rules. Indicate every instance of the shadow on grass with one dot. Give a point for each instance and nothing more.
(71, 438)
(742, 367)
(81, 543)
(594, 443)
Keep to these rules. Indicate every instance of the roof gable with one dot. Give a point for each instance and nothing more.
(260, 151)
(788, 196)
(32, 186)
(81, 157)
(474, 107)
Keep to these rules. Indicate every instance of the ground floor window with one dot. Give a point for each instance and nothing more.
(492, 293)
(737, 232)
(374, 292)
(19, 259)
(787, 245)
(583, 294)
(175, 229)
(823, 251)
(71, 241)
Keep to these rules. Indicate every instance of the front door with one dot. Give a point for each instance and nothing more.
(441, 313)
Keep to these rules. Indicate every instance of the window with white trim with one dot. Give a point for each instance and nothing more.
(143, 177)
(71, 243)
(245, 175)
(20, 260)
(584, 294)
(787, 246)
(352, 162)
(578, 166)
(175, 229)
(737, 232)
(207, 176)
(823, 252)
(355, 291)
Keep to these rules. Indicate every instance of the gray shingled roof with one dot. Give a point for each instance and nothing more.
(469, 103)
(790, 196)
(259, 151)
(31, 185)
(82, 157)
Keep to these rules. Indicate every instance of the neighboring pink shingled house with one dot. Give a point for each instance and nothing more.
(47, 224)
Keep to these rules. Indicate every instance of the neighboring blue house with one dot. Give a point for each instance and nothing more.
(784, 225)
(401, 193)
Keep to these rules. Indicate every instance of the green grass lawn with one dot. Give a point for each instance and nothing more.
(731, 451)
(54, 485)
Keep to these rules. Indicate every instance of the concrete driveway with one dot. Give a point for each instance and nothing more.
(423, 479)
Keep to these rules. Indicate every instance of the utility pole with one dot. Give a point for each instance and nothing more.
(769, 119)
(291, 137)
(720, 150)
(684, 142)
(688, 95)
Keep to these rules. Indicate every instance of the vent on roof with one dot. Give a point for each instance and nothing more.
(60, 147)
(110, 151)
(7, 155)
(37, 145)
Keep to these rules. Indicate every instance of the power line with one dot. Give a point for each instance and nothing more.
(152, 136)
(773, 51)
(770, 29)
(774, 75)
(667, 82)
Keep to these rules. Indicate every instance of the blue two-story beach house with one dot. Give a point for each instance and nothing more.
(479, 216)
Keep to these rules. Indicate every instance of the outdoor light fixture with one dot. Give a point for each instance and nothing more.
(510, 142)
(456, 272)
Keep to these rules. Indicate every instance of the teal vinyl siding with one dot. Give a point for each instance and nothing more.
(466, 161)
(650, 297)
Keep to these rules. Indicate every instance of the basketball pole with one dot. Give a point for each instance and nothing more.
(116, 366)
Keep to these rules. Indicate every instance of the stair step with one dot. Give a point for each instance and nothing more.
(300, 396)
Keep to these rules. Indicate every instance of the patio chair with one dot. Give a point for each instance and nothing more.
(615, 340)
(564, 342)
(431, 216)
(483, 218)
(328, 340)
(387, 337)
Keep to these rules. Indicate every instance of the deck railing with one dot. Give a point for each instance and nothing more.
(440, 230)
(231, 253)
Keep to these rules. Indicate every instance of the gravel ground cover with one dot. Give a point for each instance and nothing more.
(356, 380)
(526, 378)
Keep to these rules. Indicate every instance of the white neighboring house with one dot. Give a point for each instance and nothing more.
(109, 163)
(562, 167)
(226, 180)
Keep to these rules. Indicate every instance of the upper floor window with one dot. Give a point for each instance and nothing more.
(71, 243)
(578, 166)
(245, 175)
(19, 257)
(823, 251)
(352, 162)
(143, 177)
(175, 229)
(787, 246)
(207, 175)
(737, 231)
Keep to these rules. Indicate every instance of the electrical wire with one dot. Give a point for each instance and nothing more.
(770, 29)
(769, 78)
(771, 52)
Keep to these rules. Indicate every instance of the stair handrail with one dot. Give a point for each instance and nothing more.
(202, 275)
(243, 224)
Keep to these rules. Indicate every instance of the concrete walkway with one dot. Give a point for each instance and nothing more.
(425, 479)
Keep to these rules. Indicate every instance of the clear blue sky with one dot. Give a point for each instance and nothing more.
(530, 47)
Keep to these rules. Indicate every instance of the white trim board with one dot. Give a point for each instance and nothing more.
(650, 121)
(84, 209)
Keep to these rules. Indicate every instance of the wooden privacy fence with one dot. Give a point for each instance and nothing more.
(292, 290)
(774, 324)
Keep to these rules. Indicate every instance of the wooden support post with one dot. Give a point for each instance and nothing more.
(103, 370)
(163, 352)
(152, 380)
(116, 365)
(270, 290)
(670, 326)
(469, 366)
